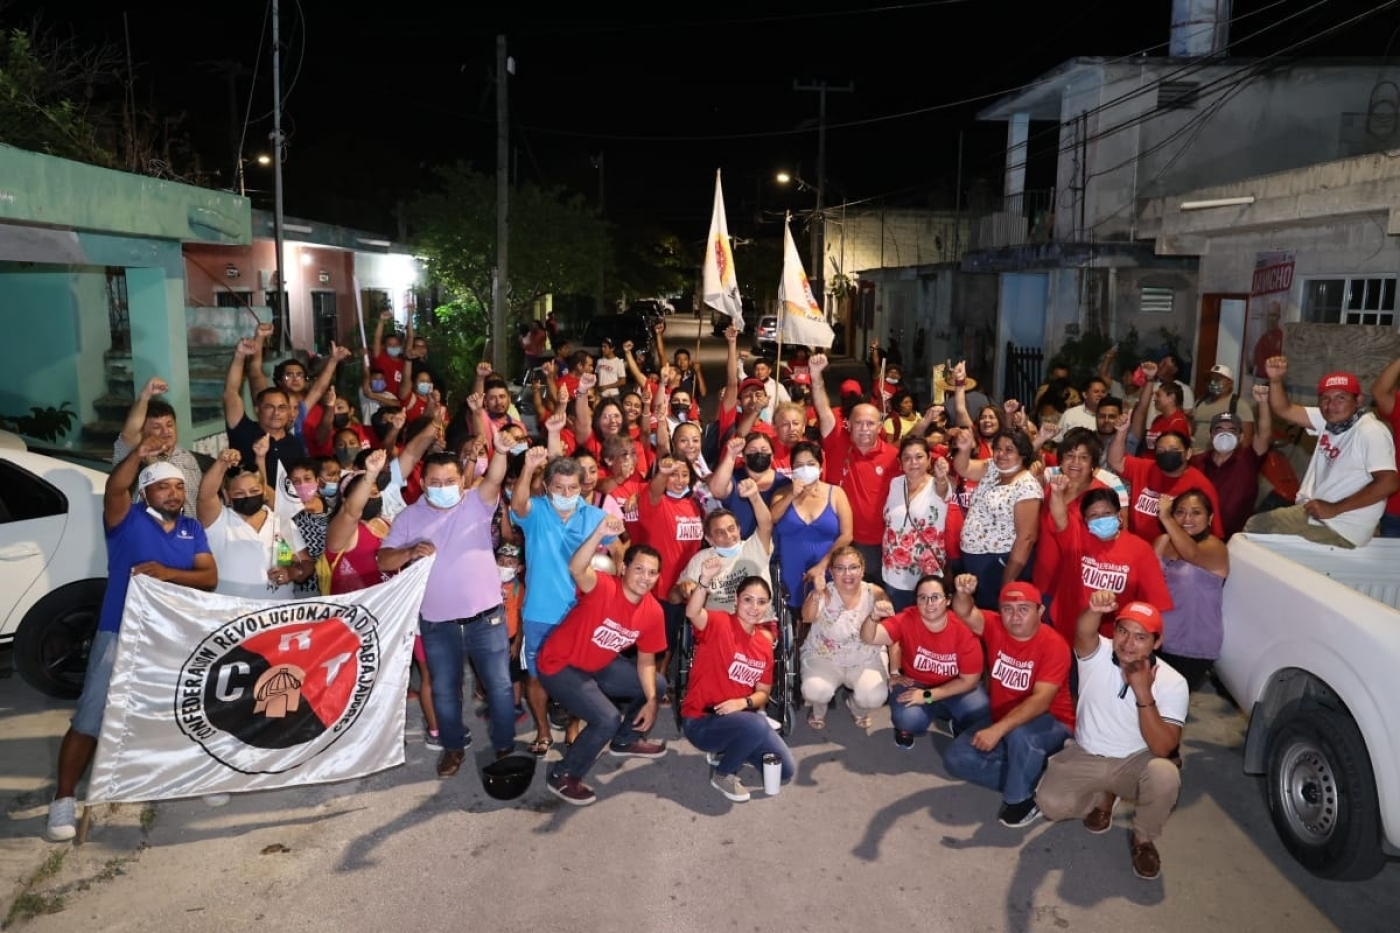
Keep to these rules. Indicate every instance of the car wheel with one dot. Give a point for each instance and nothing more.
(52, 643)
(1322, 794)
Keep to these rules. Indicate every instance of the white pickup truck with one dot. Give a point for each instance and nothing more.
(1312, 654)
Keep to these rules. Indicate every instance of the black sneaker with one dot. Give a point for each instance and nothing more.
(903, 739)
(1020, 814)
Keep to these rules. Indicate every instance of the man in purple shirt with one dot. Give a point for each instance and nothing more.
(461, 616)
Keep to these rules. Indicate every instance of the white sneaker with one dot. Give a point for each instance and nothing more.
(63, 819)
(216, 800)
(712, 758)
(730, 786)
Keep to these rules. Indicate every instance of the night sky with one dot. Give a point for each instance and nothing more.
(378, 94)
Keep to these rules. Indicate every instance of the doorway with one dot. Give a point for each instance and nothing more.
(1221, 337)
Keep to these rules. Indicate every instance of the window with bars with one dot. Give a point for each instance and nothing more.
(1177, 95)
(1360, 300)
(1156, 300)
(236, 298)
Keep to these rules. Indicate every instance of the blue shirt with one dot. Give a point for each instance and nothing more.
(549, 543)
(743, 511)
(136, 539)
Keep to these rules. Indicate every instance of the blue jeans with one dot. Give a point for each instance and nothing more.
(739, 738)
(590, 697)
(1390, 526)
(988, 569)
(1015, 765)
(447, 645)
(965, 710)
(900, 599)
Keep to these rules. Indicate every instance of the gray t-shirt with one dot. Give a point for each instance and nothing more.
(181, 458)
(751, 561)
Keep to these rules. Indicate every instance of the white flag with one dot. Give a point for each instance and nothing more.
(802, 320)
(212, 693)
(721, 288)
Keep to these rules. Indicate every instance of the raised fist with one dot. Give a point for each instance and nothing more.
(817, 364)
(261, 446)
(535, 458)
(155, 386)
(264, 330)
(966, 583)
(1276, 367)
(483, 369)
(587, 381)
(1102, 602)
(374, 463)
(229, 457)
(747, 488)
(338, 353)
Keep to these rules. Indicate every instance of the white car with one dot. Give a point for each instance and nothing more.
(53, 566)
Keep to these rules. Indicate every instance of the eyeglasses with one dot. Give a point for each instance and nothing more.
(848, 568)
(930, 598)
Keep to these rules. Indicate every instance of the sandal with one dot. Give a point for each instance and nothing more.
(815, 721)
(540, 747)
(862, 720)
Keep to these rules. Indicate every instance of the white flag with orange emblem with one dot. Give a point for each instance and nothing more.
(721, 287)
(802, 319)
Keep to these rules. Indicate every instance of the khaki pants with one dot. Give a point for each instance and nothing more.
(1074, 779)
(1293, 520)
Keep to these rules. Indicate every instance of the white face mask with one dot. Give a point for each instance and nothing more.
(507, 573)
(806, 474)
(1225, 441)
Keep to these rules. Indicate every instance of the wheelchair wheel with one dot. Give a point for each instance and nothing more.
(782, 701)
(679, 674)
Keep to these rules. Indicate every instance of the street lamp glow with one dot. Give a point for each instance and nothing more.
(264, 159)
(784, 178)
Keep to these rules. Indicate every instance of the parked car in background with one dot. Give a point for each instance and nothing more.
(1312, 644)
(53, 566)
(765, 335)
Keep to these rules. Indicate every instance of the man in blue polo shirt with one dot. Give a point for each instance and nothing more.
(151, 537)
(555, 525)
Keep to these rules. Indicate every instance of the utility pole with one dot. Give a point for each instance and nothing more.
(280, 289)
(818, 269)
(603, 213)
(501, 279)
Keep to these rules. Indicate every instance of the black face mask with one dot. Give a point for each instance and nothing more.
(758, 463)
(341, 421)
(248, 505)
(371, 510)
(679, 409)
(345, 456)
(1169, 461)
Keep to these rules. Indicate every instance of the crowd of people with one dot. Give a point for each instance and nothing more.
(947, 560)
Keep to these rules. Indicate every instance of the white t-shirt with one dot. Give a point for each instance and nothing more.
(1341, 465)
(610, 370)
(244, 555)
(1077, 417)
(751, 561)
(1188, 399)
(1107, 724)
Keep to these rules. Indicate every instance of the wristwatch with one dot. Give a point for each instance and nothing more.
(748, 702)
(928, 696)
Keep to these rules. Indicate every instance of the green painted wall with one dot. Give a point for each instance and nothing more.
(41, 189)
(52, 351)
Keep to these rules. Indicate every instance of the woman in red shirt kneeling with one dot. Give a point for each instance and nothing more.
(730, 680)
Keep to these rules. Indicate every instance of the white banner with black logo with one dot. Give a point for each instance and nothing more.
(216, 694)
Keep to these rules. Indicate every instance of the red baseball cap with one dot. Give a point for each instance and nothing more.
(752, 383)
(1344, 381)
(851, 387)
(1019, 593)
(1144, 614)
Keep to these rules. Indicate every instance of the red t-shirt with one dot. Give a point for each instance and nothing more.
(675, 528)
(392, 368)
(931, 659)
(728, 418)
(632, 518)
(645, 455)
(313, 421)
(728, 664)
(1017, 666)
(1047, 546)
(1164, 424)
(1147, 483)
(603, 624)
(1127, 566)
(865, 478)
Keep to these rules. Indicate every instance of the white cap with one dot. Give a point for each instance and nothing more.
(1220, 369)
(160, 470)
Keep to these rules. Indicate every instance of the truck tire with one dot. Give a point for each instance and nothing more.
(52, 643)
(1322, 794)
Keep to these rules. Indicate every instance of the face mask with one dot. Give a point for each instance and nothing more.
(1104, 527)
(376, 385)
(393, 351)
(371, 510)
(346, 455)
(481, 464)
(161, 515)
(806, 474)
(518, 449)
(1169, 461)
(330, 490)
(728, 552)
(341, 421)
(506, 574)
(1215, 388)
(683, 494)
(563, 503)
(1225, 442)
(758, 463)
(248, 505)
(423, 388)
(1341, 427)
(680, 412)
(444, 497)
(306, 491)
(892, 380)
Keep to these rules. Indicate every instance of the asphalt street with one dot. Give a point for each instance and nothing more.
(867, 836)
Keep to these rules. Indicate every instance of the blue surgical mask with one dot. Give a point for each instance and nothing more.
(444, 497)
(393, 351)
(519, 449)
(423, 388)
(683, 494)
(330, 490)
(563, 503)
(728, 552)
(377, 385)
(1104, 527)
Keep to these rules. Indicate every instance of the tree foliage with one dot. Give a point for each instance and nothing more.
(654, 262)
(557, 242)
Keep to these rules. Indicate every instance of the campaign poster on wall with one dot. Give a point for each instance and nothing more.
(1269, 294)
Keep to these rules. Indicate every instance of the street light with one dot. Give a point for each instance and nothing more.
(816, 270)
(264, 159)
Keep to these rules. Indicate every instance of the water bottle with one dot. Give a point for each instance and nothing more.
(284, 554)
